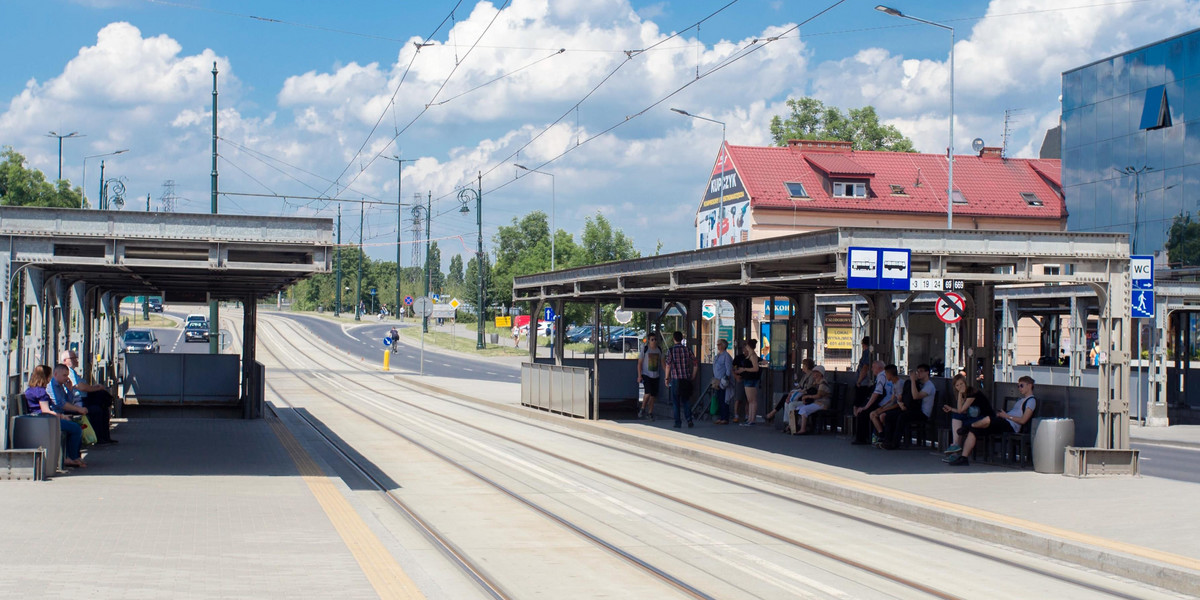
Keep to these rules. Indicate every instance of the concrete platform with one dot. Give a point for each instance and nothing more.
(180, 508)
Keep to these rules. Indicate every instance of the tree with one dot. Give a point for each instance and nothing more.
(522, 248)
(810, 119)
(455, 278)
(434, 267)
(1183, 242)
(21, 186)
(600, 243)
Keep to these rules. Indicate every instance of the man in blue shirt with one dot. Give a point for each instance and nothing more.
(95, 398)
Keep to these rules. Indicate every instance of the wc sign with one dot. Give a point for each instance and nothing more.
(1141, 301)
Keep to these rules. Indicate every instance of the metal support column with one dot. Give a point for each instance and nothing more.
(6, 312)
(858, 327)
(1113, 385)
(595, 411)
(818, 354)
(535, 308)
(984, 339)
(1077, 331)
(1008, 339)
(252, 407)
(1156, 402)
(900, 342)
(558, 335)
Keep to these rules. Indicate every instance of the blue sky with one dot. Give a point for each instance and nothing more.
(301, 93)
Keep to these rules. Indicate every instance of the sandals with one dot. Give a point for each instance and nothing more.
(75, 463)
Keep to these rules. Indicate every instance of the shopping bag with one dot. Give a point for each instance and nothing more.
(714, 403)
(89, 433)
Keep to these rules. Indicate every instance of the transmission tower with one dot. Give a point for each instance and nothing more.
(166, 200)
(418, 257)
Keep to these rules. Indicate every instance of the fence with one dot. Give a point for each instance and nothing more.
(561, 390)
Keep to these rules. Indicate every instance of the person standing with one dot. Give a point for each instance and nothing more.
(681, 369)
(723, 379)
(649, 374)
(751, 374)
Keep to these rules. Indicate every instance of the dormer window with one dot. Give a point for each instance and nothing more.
(849, 189)
(1031, 199)
(796, 190)
(898, 190)
(959, 198)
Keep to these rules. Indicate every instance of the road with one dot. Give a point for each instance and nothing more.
(1170, 462)
(365, 341)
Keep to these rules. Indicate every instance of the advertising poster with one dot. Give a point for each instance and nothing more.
(723, 217)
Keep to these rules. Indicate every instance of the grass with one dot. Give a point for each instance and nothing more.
(155, 320)
(461, 344)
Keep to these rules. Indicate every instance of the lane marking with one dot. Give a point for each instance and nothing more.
(386, 576)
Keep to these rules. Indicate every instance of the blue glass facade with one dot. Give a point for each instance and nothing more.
(1140, 112)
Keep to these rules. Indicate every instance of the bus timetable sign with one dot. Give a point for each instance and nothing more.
(878, 269)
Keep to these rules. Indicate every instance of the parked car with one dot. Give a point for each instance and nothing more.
(196, 331)
(155, 304)
(579, 334)
(137, 341)
(625, 343)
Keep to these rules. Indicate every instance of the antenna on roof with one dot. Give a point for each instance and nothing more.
(1008, 118)
(918, 182)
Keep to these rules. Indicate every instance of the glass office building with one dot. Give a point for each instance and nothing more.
(1131, 142)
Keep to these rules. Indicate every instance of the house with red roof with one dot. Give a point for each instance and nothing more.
(760, 192)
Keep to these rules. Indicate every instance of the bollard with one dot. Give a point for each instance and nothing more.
(387, 359)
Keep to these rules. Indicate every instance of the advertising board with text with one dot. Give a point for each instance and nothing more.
(727, 224)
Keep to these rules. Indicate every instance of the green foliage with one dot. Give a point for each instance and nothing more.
(1183, 242)
(455, 278)
(21, 186)
(810, 119)
(433, 268)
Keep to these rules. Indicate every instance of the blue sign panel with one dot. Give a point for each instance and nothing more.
(1141, 305)
(548, 313)
(387, 341)
(878, 269)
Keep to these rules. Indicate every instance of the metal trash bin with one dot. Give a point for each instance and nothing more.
(495, 338)
(39, 431)
(1050, 440)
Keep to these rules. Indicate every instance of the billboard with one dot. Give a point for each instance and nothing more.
(723, 217)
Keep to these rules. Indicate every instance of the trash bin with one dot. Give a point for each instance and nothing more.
(1050, 440)
(39, 431)
(495, 339)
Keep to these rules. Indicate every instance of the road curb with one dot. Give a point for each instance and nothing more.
(927, 511)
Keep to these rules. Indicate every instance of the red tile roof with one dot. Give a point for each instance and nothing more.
(991, 185)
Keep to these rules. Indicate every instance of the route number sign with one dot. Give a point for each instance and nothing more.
(946, 312)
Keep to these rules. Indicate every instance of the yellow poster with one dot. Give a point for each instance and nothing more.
(839, 338)
(506, 323)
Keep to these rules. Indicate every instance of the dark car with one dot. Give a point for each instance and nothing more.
(196, 331)
(625, 343)
(155, 304)
(137, 341)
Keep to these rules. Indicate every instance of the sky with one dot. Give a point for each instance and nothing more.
(315, 98)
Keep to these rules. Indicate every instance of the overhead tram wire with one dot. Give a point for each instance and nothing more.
(741, 53)
(256, 154)
(506, 75)
(424, 110)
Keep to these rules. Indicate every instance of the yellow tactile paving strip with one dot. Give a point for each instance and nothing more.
(386, 576)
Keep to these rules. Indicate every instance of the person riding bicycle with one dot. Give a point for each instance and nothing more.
(395, 335)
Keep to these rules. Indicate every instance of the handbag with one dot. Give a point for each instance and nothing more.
(89, 432)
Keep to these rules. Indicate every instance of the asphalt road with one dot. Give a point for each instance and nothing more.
(1170, 462)
(366, 341)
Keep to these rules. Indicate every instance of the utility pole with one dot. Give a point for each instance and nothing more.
(362, 209)
(102, 202)
(428, 270)
(214, 342)
(337, 293)
(147, 202)
(479, 261)
(399, 221)
(61, 137)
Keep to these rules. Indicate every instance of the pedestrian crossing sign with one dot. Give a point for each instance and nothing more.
(1141, 304)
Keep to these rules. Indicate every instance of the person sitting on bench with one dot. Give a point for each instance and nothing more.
(1014, 421)
(972, 406)
(815, 398)
(95, 398)
(40, 403)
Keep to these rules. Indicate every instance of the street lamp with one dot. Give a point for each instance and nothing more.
(1137, 200)
(553, 233)
(950, 162)
(61, 137)
(724, 159)
(464, 197)
(83, 203)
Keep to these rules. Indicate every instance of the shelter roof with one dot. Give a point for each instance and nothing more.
(185, 257)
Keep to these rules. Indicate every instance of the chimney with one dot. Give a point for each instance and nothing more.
(821, 145)
(991, 152)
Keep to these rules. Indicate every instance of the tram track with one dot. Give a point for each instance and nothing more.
(904, 582)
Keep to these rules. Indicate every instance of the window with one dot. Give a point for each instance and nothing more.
(959, 198)
(898, 190)
(796, 190)
(849, 189)
(1052, 270)
(1030, 199)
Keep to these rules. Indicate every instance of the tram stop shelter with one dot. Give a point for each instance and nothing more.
(68, 269)
(801, 267)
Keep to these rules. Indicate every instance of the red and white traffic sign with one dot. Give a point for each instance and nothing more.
(945, 312)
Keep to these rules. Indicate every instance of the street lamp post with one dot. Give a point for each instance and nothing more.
(464, 197)
(61, 137)
(724, 159)
(83, 202)
(950, 158)
(553, 233)
(399, 218)
(1137, 200)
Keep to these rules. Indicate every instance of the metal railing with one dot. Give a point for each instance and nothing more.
(557, 389)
